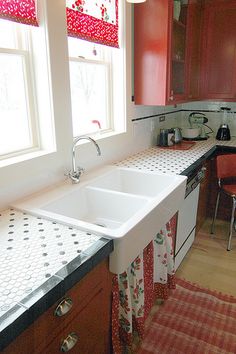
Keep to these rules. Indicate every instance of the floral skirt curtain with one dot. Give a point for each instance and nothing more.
(148, 278)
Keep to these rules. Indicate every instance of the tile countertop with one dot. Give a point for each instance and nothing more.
(41, 259)
(165, 160)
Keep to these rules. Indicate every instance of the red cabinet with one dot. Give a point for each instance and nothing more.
(166, 52)
(219, 50)
(193, 48)
(152, 24)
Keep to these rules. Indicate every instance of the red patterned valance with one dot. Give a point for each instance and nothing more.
(93, 20)
(19, 11)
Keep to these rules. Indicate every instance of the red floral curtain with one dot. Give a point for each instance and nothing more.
(150, 276)
(19, 11)
(95, 21)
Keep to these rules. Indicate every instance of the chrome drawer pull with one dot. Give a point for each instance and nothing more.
(63, 307)
(69, 342)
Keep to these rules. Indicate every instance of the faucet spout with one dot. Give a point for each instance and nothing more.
(76, 172)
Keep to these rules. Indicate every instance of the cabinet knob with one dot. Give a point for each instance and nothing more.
(63, 307)
(69, 342)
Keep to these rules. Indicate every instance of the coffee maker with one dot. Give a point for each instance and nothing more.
(223, 132)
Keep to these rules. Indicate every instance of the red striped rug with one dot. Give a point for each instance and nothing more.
(193, 320)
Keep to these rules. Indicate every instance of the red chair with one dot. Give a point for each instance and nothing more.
(226, 169)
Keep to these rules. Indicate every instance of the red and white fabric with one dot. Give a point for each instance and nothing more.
(149, 277)
(22, 11)
(94, 21)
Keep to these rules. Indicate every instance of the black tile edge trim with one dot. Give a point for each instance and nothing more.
(156, 115)
(88, 263)
(209, 154)
(23, 314)
(45, 296)
(226, 149)
(34, 305)
(15, 321)
(189, 170)
(204, 110)
(179, 110)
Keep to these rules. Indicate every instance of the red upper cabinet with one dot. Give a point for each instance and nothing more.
(159, 53)
(193, 48)
(219, 50)
(151, 50)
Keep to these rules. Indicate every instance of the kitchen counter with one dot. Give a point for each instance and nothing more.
(41, 259)
(169, 161)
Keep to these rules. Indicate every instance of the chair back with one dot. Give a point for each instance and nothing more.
(226, 166)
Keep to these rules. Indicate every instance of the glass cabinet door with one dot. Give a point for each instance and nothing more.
(178, 49)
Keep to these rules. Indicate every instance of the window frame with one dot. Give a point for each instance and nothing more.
(109, 89)
(23, 49)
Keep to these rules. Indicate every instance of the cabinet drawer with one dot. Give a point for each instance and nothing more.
(87, 326)
(80, 293)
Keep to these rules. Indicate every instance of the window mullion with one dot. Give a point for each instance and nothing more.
(31, 102)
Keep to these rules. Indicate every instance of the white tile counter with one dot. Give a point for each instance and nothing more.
(32, 250)
(39, 261)
(170, 161)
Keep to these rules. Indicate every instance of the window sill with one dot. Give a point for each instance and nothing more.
(24, 157)
(102, 136)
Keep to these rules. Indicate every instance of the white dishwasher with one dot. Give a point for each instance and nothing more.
(187, 216)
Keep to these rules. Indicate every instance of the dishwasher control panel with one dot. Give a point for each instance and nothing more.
(194, 180)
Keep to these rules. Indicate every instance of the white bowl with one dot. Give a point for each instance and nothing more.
(190, 133)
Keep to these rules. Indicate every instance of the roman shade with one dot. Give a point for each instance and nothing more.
(95, 21)
(91, 20)
(19, 11)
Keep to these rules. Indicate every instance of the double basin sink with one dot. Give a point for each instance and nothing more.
(128, 205)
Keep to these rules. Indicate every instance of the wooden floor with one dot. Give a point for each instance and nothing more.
(208, 262)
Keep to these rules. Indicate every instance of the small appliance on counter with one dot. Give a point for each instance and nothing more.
(190, 133)
(166, 137)
(196, 131)
(223, 132)
(177, 135)
(172, 139)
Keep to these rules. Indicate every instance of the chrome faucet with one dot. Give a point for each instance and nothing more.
(76, 172)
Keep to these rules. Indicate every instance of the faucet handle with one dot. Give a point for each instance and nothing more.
(80, 170)
(75, 175)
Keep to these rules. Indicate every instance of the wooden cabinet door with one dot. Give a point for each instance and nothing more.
(219, 50)
(159, 53)
(176, 90)
(151, 51)
(193, 49)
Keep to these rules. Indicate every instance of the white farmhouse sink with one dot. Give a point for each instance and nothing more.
(93, 206)
(127, 205)
(132, 181)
